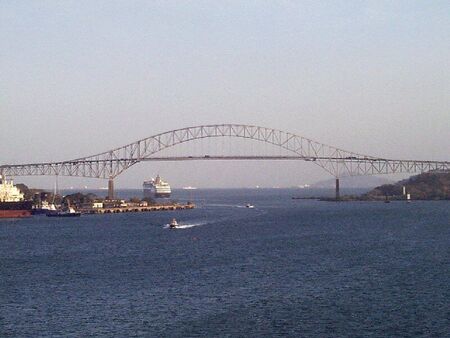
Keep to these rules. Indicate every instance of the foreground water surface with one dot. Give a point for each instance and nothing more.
(284, 268)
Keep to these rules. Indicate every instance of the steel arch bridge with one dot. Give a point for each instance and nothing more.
(338, 162)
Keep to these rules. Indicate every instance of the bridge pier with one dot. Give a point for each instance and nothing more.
(111, 188)
(338, 193)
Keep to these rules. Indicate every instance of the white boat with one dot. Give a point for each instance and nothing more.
(250, 206)
(156, 187)
(173, 224)
(189, 188)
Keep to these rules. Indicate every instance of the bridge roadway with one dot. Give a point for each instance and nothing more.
(336, 161)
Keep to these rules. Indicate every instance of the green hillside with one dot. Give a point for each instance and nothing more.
(426, 186)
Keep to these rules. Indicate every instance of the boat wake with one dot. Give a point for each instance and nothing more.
(184, 225)
(229, 205)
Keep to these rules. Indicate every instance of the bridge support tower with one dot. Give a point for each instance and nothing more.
(111, 188)
(338, 193)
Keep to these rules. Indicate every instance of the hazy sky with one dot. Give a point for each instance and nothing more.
(80, 77)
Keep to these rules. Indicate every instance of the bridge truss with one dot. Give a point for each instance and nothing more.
(336, 161)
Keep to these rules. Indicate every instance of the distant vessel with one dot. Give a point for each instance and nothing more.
(250, 206)
(12, 203)
(173, 224)
(156, 187)
(189, 188)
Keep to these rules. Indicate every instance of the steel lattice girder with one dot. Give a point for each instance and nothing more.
(336, 161)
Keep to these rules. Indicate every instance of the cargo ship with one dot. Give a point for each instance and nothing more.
(156, 187)
(12, 203)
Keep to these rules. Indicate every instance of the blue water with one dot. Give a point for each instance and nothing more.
(285, 268)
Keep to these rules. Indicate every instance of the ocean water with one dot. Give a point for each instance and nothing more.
(299, 268)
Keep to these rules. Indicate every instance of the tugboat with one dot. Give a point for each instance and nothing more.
(173, 224)
(69, 212)
(43, 208)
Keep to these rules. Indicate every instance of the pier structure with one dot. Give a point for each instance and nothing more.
(118, 210)
(336, 161)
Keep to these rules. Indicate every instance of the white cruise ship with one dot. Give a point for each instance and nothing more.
(156, 187)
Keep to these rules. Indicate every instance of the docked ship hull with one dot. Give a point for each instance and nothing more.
(150, 192)
(162, 195)
(15, 209)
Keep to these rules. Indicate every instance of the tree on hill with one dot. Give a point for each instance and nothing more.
(79, 199)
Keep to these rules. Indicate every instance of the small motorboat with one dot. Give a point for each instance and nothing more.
(250, 206)
(173, 224)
